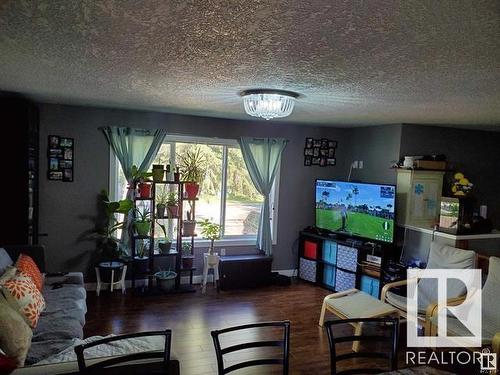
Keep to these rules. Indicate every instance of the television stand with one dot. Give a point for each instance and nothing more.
(337, 262)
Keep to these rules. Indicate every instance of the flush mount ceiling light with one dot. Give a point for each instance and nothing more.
(269, 104)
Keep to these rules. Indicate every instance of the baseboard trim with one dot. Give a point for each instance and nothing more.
(197, 279)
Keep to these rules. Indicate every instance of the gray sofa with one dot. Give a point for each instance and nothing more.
(64, 317)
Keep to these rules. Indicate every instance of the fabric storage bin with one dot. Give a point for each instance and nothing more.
(330, 252)
(329, 275)
(344, 280)
(307, 270)
(310, 249)
(347, 258)
(370, 285)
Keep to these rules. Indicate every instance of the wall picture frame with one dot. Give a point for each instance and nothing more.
(60, 158)
(320, 152)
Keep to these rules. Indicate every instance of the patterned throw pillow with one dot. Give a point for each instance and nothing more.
(27, 296)
(15, 337)
(27, 265)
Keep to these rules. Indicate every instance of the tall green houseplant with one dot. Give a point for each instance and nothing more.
(192, 167)
(108, 246)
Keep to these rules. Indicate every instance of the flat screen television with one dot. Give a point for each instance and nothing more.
(356, 209)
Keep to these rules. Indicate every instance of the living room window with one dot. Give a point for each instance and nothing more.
(227, 195)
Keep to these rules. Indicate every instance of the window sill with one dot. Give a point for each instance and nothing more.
(227, 242)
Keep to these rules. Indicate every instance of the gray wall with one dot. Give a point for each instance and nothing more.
(378, 148)
(67, 209)
(473, 152)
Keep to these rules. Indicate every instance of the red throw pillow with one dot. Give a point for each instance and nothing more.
(27, 265)
(7, 364)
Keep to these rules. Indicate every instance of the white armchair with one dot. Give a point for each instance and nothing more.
(440, 256)
(490, 311)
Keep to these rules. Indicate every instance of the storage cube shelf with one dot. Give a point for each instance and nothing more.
(335, 263)
(329, 252)
(307, 270)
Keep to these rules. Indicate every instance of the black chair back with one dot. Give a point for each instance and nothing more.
(112, 365)
(283, 343)
(390, 324)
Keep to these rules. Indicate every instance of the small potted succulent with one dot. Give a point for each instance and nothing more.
(187, 256)
(189, 225)
(161, 203)
(165, 243)
(210, 231)
(192, 167)
(172, 205)
(142, 222)
(143, 182)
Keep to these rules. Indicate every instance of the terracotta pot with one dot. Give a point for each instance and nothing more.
(187, 262)
(188, 227)
(173, 211)
(192, 189)
(144, 189)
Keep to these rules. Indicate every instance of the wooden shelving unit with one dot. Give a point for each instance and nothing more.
(153, 250)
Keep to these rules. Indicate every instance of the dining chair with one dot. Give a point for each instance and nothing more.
(283, 343)
(389, 326)
(144, 362)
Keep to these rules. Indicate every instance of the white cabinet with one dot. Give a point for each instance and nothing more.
(418, 197)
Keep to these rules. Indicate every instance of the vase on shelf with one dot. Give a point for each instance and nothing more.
(160, 211)
(158, 172)
(192, 189)
(144, 190)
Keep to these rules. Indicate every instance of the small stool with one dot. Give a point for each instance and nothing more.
(210, 261)
(354, 303)
(111, 266)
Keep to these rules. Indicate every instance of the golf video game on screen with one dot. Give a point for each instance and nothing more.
(358, 209)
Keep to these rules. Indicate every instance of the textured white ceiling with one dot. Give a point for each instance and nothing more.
(353, 62)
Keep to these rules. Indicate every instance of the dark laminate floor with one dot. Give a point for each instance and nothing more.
(193, 316)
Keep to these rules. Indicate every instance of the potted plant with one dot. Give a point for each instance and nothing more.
(165, 280)
(188, 226)
(161, 202)
(142, 222)
(210, 231)
(172, 205)
(165, 243)
(157, 172)
(187, 256)
(141, 258)
(107, 245)
(193, 165)
(143, 182)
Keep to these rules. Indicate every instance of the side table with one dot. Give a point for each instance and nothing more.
(210, 261)
(113, 267)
